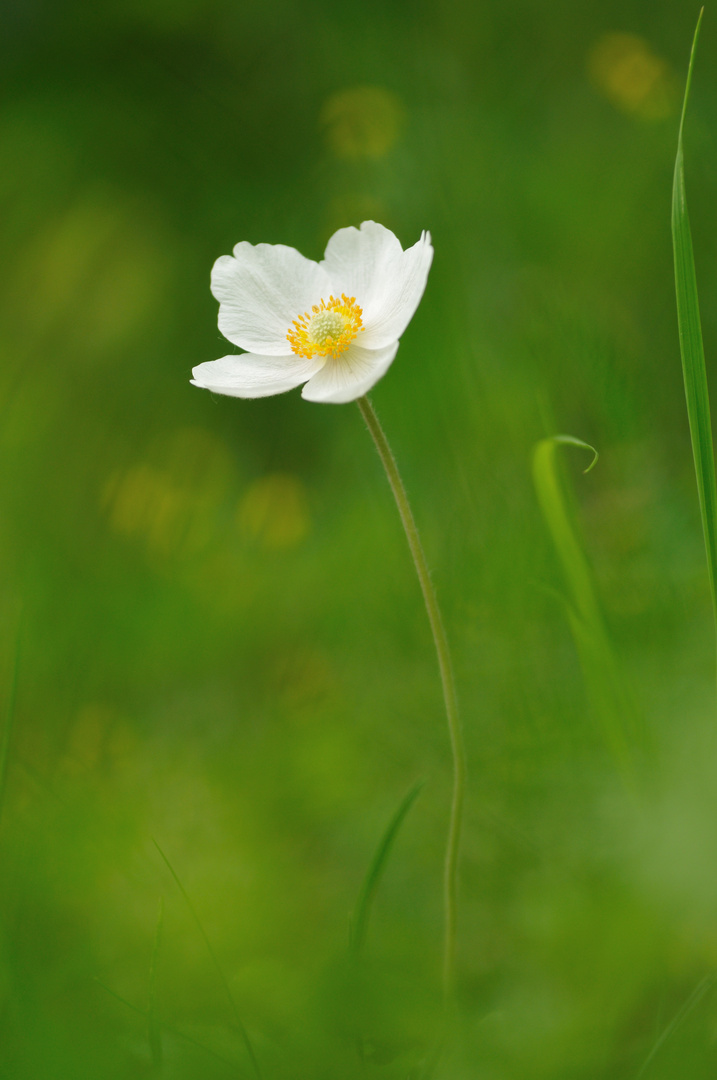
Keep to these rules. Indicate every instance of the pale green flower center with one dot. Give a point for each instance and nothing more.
(327, 324)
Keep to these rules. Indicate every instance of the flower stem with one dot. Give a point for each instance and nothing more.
(449, 690)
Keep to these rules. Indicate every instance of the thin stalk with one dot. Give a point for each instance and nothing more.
(8, 726)
(450, 874)
(154, 1030)
(171, 1030)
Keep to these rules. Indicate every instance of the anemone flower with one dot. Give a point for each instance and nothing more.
(333, 325)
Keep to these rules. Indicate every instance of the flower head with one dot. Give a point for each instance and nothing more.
(332, 325)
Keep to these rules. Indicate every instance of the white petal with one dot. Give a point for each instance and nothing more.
(353, 256)
(388, 283)
(261, 290)
(252, 376)
(350, 375)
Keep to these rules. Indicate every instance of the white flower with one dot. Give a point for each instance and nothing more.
(333, 325)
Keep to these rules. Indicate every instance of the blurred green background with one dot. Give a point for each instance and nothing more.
(219, 639)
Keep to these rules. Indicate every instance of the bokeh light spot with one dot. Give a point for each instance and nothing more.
(96, 258)
(362, 122)
(275, 511)
(304, 681)
(624, 68)
(87, 739)
(170, 500)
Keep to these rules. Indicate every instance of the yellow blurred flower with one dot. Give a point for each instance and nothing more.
(169, 500)
(275, 511)
(624, 68)
(362, 122)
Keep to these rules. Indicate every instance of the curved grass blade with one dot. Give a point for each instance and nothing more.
(230, 997)
(553, 505)
(702, 988)
(692, 348)
(370, 885)
(154, 1032)
(8, 726)
(609, 695)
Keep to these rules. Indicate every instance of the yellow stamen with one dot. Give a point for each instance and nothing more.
(328, 329)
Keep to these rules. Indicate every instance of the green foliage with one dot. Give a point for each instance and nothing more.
(692, 348)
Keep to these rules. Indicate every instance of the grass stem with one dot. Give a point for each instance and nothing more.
(154, 1031)
(230, 997)
(8, 726)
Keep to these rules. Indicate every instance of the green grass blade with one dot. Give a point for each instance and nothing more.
(692, 348)
(8, 726)
(606, 687)
(227, 989)
(153, 1027)
(359, 923)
